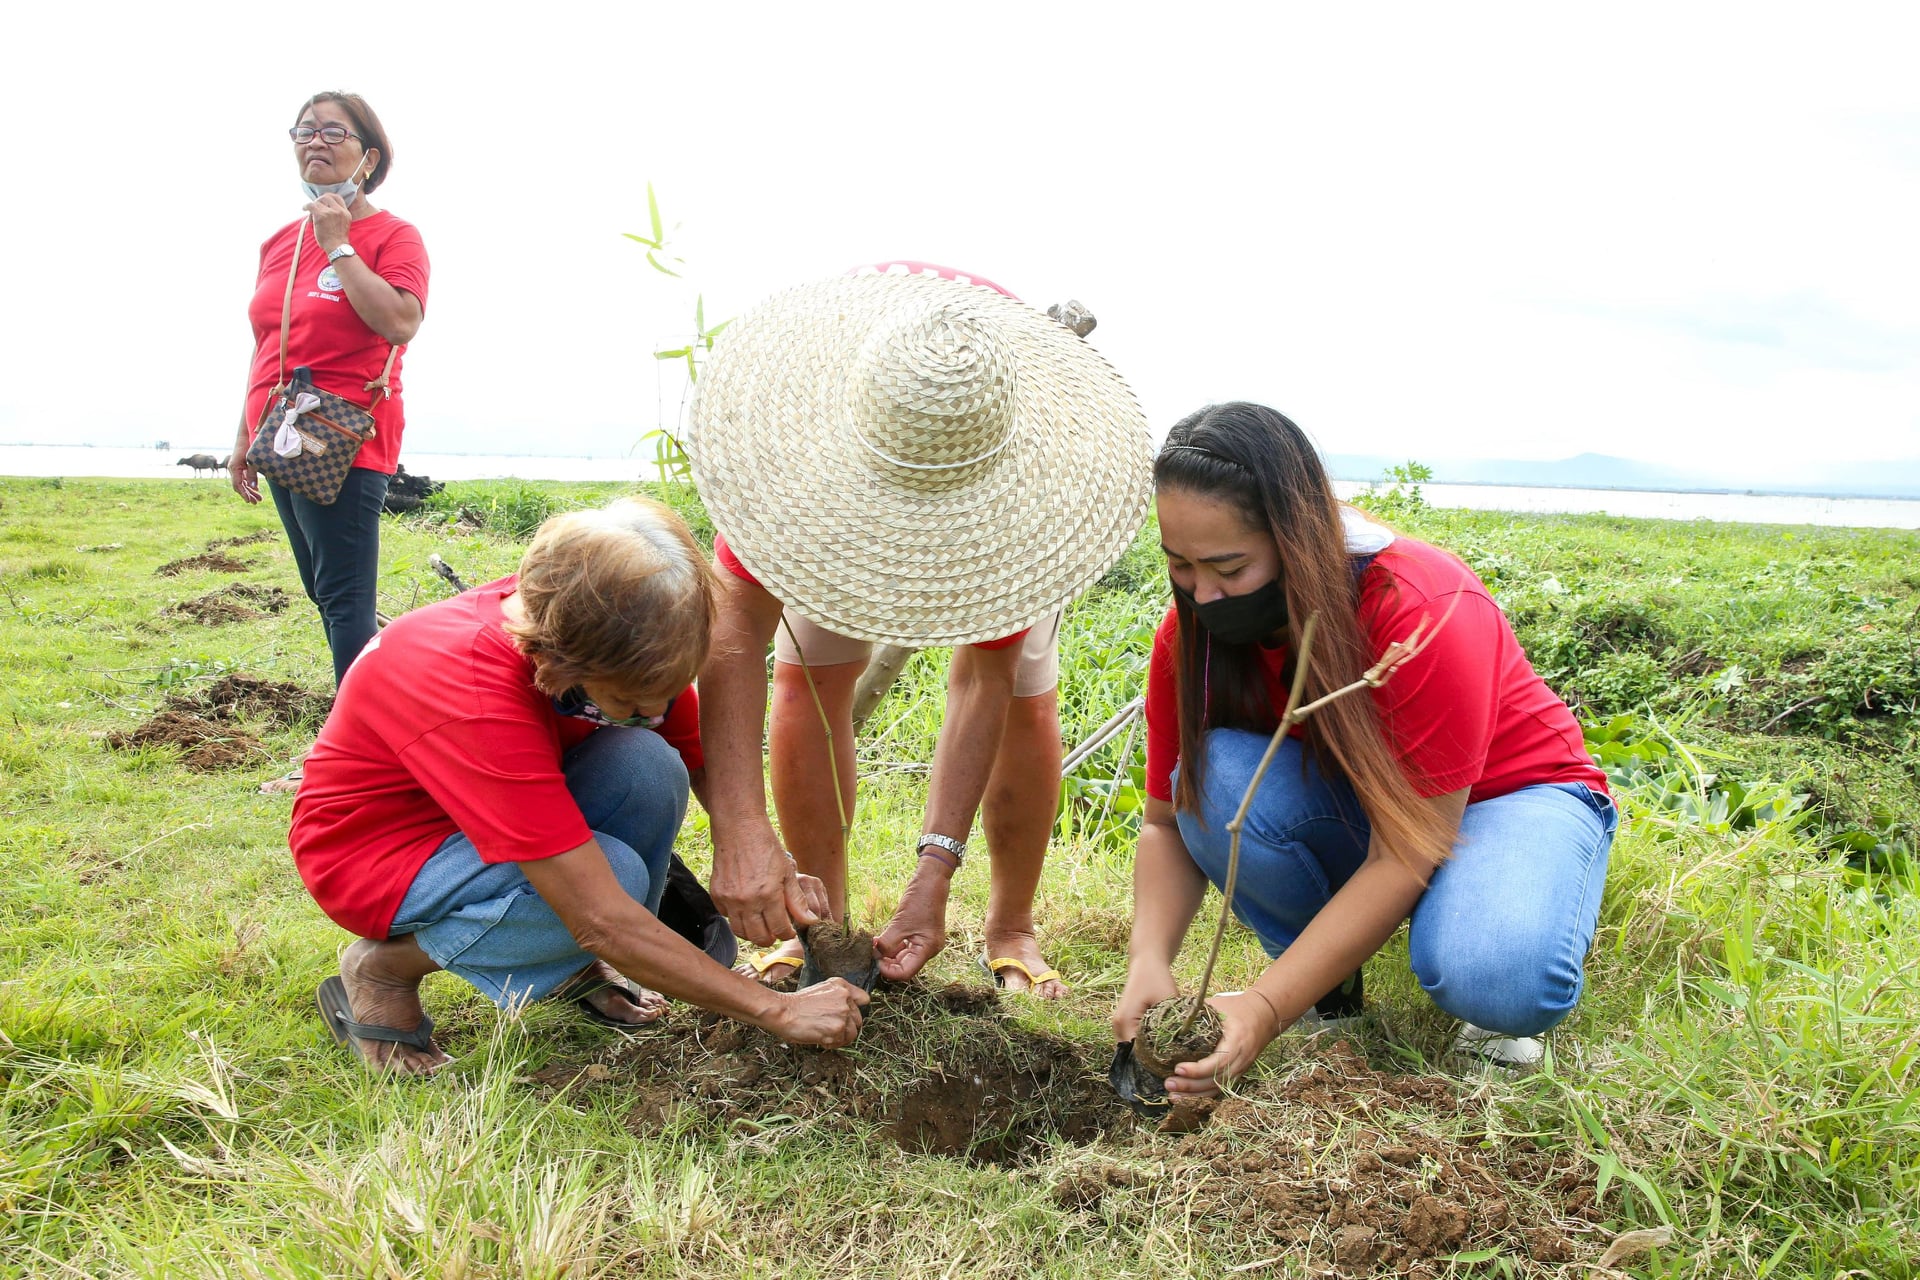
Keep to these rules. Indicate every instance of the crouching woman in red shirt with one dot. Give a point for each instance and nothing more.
(498, 789)
(1459, 793)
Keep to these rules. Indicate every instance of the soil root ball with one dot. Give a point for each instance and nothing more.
(835, 951)
(1161, 1046)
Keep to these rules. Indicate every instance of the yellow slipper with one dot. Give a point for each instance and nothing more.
(761, 963)
(994, 968)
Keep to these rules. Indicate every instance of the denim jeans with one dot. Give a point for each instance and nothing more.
(1500, 937)
(337, 550)
(484, 922)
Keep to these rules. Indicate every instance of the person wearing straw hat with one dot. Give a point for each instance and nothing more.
(904, 455)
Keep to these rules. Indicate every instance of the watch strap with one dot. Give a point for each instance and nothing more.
(958, 848)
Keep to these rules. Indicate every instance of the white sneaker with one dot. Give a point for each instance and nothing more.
(1497, 1050)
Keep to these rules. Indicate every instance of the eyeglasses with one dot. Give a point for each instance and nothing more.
(333, 135)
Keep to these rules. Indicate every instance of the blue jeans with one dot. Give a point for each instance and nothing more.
(1500, 936)
(337, 550)
(484, 922)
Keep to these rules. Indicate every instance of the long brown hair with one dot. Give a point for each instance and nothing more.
(1261, 464)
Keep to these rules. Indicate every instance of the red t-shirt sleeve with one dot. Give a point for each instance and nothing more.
(1163, 710)
(401, 261)
(1013, 639)
(729, 561)
(1438, 709)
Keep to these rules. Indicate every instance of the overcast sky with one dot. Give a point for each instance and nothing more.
(1676, 233)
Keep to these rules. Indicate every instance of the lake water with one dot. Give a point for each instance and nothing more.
(1864, 513)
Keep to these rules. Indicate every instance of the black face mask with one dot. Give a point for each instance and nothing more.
(1246, 619)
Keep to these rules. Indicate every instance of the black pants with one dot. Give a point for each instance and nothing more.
(337, 548)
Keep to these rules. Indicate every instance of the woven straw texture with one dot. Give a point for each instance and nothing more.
(914, 461)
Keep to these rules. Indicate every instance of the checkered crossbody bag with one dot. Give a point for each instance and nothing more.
(307, 439)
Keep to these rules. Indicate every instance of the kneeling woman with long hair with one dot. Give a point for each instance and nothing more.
(498, 789)
(1459, 793)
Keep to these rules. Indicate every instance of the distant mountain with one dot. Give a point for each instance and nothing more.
(1882, 479)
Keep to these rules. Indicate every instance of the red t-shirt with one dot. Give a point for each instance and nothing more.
(328, 336)
(898, 266)
(1467, 711)
(439, 728)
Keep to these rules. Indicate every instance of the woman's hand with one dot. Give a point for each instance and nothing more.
(760, 891)
(331, 218)
(244, 479)
(1249, 1024)
(1147, 985)
(826, 1014)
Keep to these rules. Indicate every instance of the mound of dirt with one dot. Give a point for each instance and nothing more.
(246, 540)
(204, 746)
(238, 696)
(939, 1069)
(212, 562)
(1282, 1169)
(236, 602)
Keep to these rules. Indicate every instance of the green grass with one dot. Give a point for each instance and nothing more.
(1743, 1068)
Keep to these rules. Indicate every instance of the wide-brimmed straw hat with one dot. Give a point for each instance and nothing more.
(917, 461)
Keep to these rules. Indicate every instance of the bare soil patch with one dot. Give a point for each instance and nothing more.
(236, 602)
(1336, 1166)
(245, 540)
(203, 745)
(938, 1069)
(238, 696)
(204, 726)
(212, 562)
(1339, 1167)
(1345, 1167)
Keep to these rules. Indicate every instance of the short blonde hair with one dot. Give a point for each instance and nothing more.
(617, 594)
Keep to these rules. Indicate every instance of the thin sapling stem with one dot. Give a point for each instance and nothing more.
(1375, 676)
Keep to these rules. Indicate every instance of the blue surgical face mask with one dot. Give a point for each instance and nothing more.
(575, 702)
(345, 190)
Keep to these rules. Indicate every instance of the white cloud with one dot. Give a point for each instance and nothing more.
(1505, 234)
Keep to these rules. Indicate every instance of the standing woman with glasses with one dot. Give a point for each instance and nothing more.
(360, 292)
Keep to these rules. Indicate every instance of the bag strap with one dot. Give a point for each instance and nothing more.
(286, 302)
(379, 386)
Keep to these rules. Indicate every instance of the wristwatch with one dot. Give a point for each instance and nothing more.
(344, 251)
(958, 848)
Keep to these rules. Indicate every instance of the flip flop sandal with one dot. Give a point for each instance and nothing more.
(627, 989)
(760, 964)
(286, 784)
(996, 969)
(337, 1012)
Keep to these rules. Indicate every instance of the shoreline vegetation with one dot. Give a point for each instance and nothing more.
(1738, 1086)
(1355, 473)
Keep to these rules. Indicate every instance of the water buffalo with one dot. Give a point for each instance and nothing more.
(202, 462)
